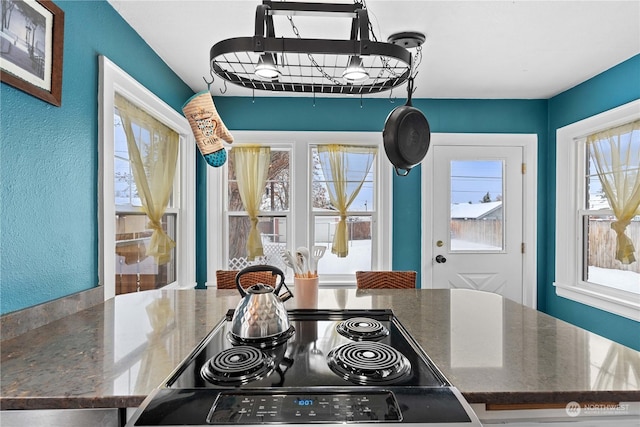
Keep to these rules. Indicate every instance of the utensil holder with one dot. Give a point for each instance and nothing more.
(306, 292)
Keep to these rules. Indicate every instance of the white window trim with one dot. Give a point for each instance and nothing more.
(569, 241)
(529, 144)
(113, 79)
(299, 142)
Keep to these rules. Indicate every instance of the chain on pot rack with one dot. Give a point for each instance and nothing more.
(359, 65)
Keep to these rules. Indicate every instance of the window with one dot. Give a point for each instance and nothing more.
(296, 209)
(132, 118)
(476, 222)
(273, 217)
(586, 268)
(612, 179)
(145, 258)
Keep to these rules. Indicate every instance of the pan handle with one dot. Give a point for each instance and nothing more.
(409, 91)
(406, 171)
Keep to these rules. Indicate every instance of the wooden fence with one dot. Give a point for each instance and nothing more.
(602, 239)
(483, 231)
(602, 245)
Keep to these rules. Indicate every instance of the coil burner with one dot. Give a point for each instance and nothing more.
(362, 329)
(369, 362)
(237, 365)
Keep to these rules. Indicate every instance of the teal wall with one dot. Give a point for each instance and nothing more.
(49, 160)
(617, 86)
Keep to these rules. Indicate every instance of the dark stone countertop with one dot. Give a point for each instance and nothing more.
(493, 350)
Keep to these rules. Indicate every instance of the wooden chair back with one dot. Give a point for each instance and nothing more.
(386, 279)
(226, 279)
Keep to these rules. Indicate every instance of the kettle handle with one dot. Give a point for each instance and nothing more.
(256, 268)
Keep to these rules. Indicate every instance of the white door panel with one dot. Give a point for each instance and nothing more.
(477, 214)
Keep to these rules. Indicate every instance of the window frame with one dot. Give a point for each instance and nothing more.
(570, 209)
(226, 213)
(299, 143)
(113, 79)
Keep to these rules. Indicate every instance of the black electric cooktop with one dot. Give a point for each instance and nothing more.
(302, 360)
(338, 367)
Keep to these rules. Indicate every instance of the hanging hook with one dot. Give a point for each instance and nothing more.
(314, 98)
(392, 100)
(360, 100)
(207, 82)
(253, 96)
(225, 87)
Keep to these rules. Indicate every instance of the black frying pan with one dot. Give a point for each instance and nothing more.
(406, 135)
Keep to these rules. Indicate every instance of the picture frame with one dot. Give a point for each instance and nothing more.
(31, 48)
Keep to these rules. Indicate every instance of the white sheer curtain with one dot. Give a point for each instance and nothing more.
(345, 169)
(251, 165)
(153, 169)
(616, 155)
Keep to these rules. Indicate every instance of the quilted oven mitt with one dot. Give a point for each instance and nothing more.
(207, 128)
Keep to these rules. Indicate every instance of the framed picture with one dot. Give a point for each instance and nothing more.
(31, 46)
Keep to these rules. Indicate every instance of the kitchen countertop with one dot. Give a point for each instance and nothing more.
(493, 350)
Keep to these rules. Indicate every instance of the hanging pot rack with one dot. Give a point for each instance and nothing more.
(319, 66)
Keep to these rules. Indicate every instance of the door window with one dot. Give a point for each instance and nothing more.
(476, 205)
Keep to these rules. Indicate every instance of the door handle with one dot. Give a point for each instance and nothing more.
(440, 259)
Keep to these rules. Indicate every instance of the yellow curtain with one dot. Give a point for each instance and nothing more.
(251, 165)
(616, 155)
(156, 358)
(153, 170)
(345, 169)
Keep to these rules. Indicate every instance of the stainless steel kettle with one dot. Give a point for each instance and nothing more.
(261, 318)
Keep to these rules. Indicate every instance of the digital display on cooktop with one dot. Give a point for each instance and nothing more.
(257, 408)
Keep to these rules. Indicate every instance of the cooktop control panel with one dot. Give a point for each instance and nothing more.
(315, 407)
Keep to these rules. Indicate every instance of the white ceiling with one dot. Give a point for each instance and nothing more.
(518, 49)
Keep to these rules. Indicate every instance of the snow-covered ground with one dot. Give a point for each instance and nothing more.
(360, 259)
(463, 245)
(360, 256)
(625, 280)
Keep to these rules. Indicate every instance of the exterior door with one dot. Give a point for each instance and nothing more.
(477, 213)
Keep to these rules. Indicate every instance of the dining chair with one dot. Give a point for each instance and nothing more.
(226, 279)
(385, 279)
